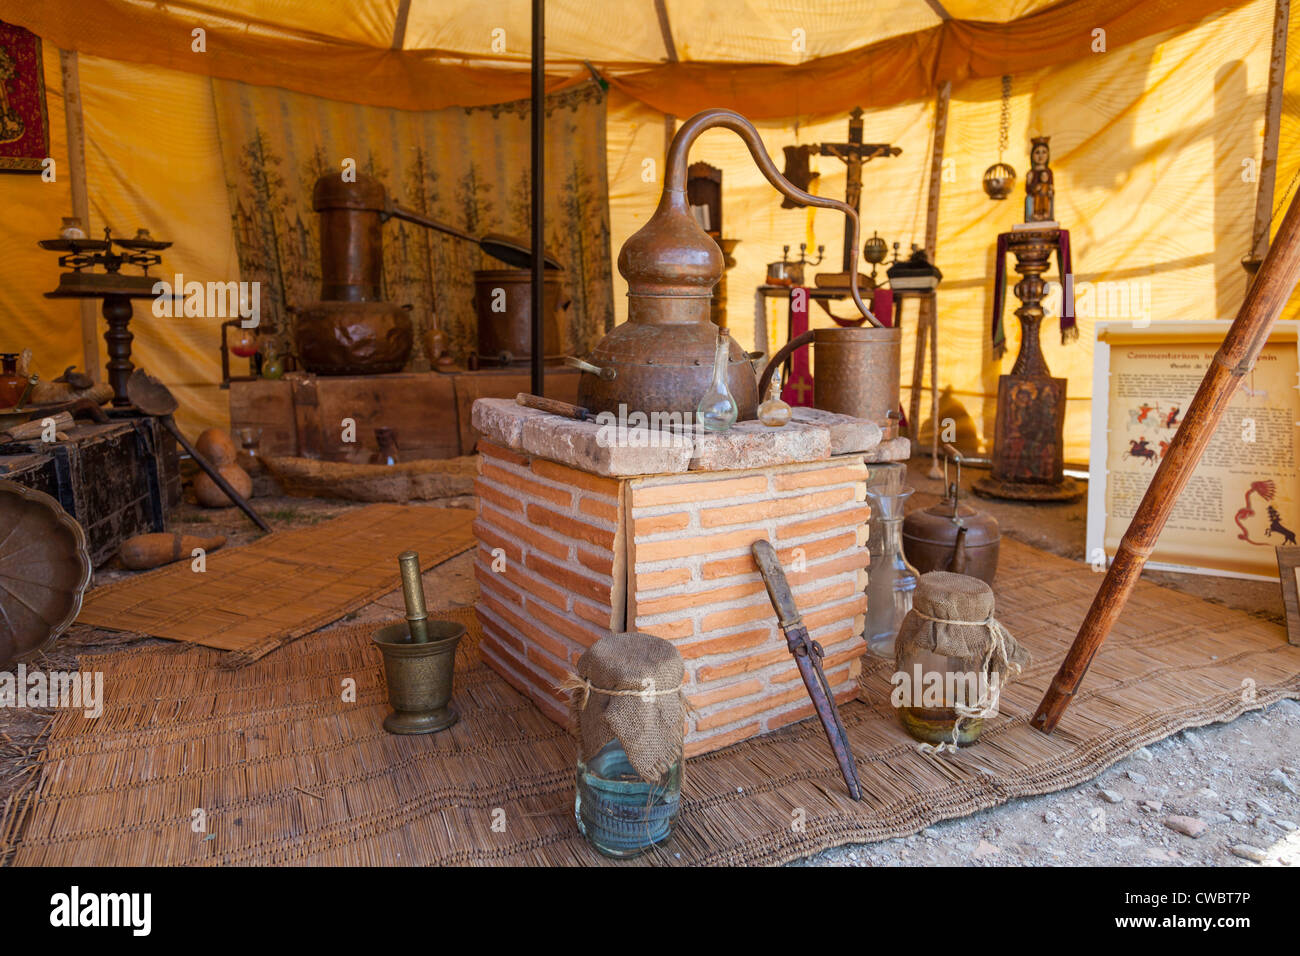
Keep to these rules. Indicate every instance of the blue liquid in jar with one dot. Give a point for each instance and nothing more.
(619, 813)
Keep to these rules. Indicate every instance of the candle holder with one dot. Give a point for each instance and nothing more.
(1029, 431)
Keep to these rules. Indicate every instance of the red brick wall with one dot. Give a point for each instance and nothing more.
(669, 555)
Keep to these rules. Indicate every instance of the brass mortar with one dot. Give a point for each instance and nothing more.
(419, 676)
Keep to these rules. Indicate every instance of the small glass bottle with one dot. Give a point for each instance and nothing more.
(248, 457)
(386, 441)
(621, 814)
(774, 412)
(717, 410)
(891, 580)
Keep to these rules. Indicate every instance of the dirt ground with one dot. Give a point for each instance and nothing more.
(1240, 779)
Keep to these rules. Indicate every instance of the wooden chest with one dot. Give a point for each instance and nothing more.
(117, 479)
(307, 415)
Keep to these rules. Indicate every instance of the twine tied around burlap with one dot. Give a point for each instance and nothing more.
(631, 687)
(952, 617)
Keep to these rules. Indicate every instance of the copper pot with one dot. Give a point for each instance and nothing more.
(503, 301)
(661, 359)
(856, 372)
(353, 338)
(785, 273)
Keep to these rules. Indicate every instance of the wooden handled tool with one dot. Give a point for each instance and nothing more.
(155, 399)
(808, 657)
(555, 407)
(1237, 355)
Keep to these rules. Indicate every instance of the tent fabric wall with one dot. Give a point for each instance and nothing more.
(1148, 145)
(153, 159)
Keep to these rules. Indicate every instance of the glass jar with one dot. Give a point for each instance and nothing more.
(891, 580)
(621, 814)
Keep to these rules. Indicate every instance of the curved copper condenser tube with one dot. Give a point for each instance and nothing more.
(675, 180)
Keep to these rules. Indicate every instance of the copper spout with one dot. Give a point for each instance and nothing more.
(669, 229)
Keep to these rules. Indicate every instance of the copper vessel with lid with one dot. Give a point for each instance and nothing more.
(952, 536)
(661, 359)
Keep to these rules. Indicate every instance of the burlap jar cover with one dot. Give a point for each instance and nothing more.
(629, 686)
(951, 628)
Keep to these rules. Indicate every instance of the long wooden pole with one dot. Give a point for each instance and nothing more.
(1265, 298)
(930, 304)
(1272, 131)
(76, 127)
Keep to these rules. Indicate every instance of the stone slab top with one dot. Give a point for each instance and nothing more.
(633, 446)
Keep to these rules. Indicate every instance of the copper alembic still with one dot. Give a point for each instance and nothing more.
(419, 660)
(353, 330)
(951, 535)
(662, 358)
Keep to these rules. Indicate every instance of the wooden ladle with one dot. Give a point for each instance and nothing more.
(154, 398)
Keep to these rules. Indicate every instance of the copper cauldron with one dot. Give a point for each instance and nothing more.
(661, 359)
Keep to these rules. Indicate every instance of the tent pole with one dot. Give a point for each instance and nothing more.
(670, 54)
(1265, 299)
(539, 194)
(1272, 130)
(927, 314)
(76, 127)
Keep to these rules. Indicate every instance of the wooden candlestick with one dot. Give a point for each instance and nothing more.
(1029, 432)
(117, 313)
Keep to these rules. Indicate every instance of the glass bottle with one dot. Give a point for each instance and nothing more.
(249, 457)
(890, 579)
(621, 814)
(12, 382)
(243, 342)
(386, 442)
(718, 410)
(774, 411)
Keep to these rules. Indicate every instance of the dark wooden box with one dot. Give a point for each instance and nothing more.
(118, 479)
(302, 415)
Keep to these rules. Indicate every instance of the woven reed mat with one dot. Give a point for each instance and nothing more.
(252, 599)
(287, 772)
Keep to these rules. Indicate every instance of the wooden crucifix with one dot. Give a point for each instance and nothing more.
(854, 154)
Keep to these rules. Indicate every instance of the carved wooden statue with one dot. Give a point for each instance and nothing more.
(1040, 193)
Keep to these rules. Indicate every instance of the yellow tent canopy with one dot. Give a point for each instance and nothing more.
(1156, 113)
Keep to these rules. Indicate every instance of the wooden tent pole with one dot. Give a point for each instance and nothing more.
(929, 311)
(76, 128)
(1272, 131)
(1265, 299)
